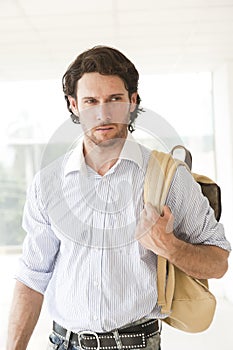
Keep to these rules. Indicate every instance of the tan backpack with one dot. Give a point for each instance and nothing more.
(188, 301)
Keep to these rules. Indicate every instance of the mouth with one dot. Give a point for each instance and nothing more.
(105, 128)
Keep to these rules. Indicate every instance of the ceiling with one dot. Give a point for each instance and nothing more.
(38, 39)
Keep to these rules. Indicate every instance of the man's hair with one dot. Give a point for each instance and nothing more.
(107, 61)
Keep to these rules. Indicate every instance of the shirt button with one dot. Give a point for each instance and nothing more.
(96, 283)
(95, 318)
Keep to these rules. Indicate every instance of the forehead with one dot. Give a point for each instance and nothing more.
(95, 84)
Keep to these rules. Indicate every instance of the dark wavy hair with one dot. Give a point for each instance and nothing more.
(107, 61)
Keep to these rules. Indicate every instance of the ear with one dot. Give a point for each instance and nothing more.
(133, 101)
(73, 104)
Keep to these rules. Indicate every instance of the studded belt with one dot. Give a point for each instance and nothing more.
(131, 337)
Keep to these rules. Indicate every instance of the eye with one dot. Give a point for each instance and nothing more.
(90, 101)
(116, 98)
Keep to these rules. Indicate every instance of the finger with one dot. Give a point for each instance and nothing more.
(168, 216)
(143, 215)
(142, 228)
(144, 224)
(166, 211)
(152, 213)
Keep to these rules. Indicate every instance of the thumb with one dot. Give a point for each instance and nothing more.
(168, 216)
(166, 212)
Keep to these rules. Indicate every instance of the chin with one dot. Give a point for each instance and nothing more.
(108, 142)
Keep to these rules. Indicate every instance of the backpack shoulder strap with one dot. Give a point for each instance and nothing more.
(160, 172)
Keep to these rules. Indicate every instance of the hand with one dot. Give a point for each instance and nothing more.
(154, 231)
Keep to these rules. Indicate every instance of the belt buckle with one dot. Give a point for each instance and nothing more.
(88, 333)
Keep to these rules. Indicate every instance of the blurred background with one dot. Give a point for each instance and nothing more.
(183, 50)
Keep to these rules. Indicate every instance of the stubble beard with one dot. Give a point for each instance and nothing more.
(118, 137)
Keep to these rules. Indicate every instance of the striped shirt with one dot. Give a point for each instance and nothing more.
(80, 249)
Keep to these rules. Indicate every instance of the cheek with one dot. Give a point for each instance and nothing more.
(87, 117)
(123, 112)
(118, 112)
(86, 124)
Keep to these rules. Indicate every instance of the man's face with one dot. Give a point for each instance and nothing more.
(103, 107)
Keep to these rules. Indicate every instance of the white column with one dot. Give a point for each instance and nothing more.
(223, 125)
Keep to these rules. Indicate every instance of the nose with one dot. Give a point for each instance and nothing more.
(104, 112)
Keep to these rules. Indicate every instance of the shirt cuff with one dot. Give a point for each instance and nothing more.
(36, 280)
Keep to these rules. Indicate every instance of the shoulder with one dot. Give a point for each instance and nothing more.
(184, 188)
(48, 178)
(54, 168)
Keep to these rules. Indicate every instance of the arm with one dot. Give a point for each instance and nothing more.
(34, 270)
(25, 311)
(200, 261)
(155, 232)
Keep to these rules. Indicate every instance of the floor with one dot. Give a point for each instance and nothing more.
(218, 336)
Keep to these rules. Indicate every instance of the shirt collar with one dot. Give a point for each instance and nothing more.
(131, 151)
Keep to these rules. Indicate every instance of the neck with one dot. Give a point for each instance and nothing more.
(102, 157)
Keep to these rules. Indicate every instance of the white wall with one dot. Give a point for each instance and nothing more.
(223, 120)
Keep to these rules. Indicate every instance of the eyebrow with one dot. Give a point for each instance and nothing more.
(95, 97)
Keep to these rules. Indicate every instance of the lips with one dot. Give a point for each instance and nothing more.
(104, 128)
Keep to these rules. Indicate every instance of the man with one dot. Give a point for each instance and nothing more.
(83, 213)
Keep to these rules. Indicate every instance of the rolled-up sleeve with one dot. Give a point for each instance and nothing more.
(40, 245)
(194, 218)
